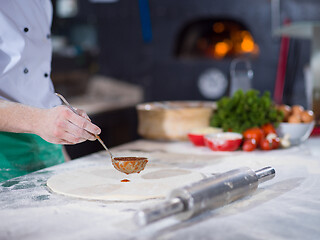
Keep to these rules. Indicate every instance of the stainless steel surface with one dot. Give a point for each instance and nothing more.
(275, 15)
(209, 193)
(72, 109)
(241, 75)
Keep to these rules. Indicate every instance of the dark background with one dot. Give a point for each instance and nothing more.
(127, 48)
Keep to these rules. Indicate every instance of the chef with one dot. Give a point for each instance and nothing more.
(33, 123)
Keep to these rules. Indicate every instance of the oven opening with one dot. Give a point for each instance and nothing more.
(215, 38)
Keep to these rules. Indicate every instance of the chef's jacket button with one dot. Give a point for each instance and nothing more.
(46, 75)
(48, 36)
(26, 29)
(25, 70)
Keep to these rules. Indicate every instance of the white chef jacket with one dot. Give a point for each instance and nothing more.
(25, 53)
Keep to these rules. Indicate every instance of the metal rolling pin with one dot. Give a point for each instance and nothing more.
(209, 193)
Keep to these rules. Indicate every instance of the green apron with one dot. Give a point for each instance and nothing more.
(22, 153)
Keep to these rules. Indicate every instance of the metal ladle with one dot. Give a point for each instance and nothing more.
(126, 165)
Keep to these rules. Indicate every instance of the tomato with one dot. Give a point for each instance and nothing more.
(274, 139)
(275, 143)
(253, 133)
(270, 143)
(266, 144)
(268, 128)
(249, 145)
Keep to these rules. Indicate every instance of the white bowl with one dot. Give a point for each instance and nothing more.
(297, 132)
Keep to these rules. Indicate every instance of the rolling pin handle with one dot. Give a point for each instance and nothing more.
(265, 174)
(166, 209)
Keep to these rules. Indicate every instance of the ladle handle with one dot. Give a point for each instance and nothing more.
(67, 103)
(105, 147)
(73, 110)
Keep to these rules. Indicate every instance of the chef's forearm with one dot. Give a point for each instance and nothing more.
(18, 118)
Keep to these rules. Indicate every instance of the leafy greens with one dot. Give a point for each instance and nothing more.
(245, 110)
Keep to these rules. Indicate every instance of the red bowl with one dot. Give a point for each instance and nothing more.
(196, 139)
(227, 141)
(196, 136)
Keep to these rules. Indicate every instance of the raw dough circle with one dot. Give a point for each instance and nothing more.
(101, 183)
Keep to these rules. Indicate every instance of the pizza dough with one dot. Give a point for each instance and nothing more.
(102, 183)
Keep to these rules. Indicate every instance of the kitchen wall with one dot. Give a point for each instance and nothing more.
(126, 54)
(126, 47)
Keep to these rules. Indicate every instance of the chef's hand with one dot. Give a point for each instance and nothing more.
(62, 126)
